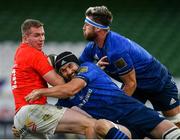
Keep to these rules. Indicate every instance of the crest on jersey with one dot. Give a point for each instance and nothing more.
(83, 69)
(120, 63)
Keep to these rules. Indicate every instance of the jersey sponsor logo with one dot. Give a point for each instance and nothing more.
(172, 101)
(30, 125)
(46, 117)
(13, 77)
(120, 63)
(160, 115)
(85, 99)
(96, 57)
(83, 69)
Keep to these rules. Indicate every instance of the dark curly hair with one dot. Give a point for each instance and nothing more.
(100, 14)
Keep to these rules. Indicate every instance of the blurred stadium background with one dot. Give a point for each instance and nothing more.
(152, 23)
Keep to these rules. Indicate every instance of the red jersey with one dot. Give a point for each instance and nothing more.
(30, 65)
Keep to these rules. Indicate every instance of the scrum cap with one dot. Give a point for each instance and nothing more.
(64, 58)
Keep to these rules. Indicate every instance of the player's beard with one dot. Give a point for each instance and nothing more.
(70, 77)
(90, 36)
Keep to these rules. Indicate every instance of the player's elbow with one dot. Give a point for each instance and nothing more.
(70, 93)
(131, 85)
(63, 94)
(67, 92)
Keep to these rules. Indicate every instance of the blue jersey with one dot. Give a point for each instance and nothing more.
(123, 55)
(101, 98)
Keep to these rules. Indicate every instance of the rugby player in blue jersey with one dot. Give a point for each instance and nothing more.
(92, 90)
(142, 75)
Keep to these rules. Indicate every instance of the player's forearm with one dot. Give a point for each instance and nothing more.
(57, 92)
(129, 82)
(64, 91)
(53, 78)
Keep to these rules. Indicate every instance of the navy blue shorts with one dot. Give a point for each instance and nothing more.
(141, 122)
(164, 100)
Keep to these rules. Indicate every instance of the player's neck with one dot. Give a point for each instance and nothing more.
(100, 39)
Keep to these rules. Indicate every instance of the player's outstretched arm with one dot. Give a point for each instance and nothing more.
(61, 91)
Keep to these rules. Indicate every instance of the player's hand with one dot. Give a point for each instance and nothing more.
(34, 95)
(15, 132)
(103, 62)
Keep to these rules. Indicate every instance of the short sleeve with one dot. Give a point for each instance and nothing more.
(41, 64)
(87, 72)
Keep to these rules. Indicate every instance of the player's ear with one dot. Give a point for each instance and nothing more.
(98, 29)
(51, 59)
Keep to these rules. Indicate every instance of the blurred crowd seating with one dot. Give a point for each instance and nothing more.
(153, 24)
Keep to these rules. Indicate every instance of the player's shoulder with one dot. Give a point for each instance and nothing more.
(117, 42)
(29, 50)
(90, 44)
(89, 65)
(117, 36)
(32, 54)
